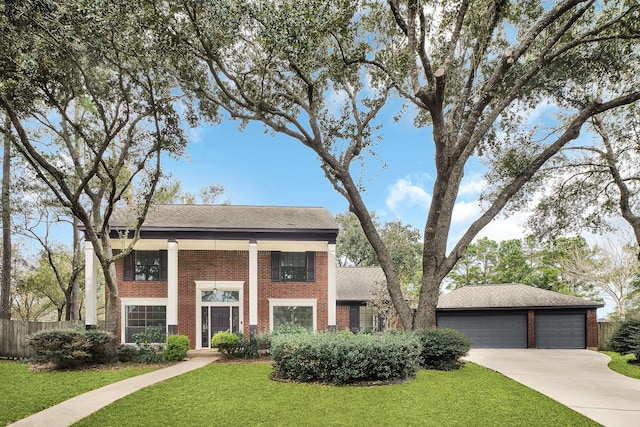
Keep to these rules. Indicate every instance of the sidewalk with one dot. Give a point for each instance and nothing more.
(72, 410)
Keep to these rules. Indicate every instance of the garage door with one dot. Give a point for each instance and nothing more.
(560, 330)
(489, 330)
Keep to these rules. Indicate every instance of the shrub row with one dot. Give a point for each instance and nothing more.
(345, 358)
(239, 345)
(73, 348)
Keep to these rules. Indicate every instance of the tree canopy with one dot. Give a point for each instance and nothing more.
(90, 109)
(473, 73)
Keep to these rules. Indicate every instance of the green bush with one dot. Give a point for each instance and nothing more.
(70, 348)
(345, 358)
(626, 340)
(101, 346)
(177, 347)
(226, 342)
(289, 328)
(442, 348)
(127, 353)
(150, 344)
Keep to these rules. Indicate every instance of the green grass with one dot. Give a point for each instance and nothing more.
(619, 363)
(23, 393)
(243, 394)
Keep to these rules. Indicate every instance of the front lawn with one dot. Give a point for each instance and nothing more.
(243, 394)
(619, 363)
(24, 393)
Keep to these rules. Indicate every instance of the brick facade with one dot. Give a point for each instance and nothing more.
(212, 265)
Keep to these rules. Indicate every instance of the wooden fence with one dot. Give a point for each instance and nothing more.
(605, 332)
(14, 333)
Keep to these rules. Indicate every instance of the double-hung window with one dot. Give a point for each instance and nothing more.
(140, 317)
(293, 266)
(145, 265)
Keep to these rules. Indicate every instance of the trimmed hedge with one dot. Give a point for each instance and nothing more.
(442, 348)
(70, 348)
(177, 347)
(626, 340)
(345, 358)
(227, 342)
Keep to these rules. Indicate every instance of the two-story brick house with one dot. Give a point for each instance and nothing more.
(199, 269)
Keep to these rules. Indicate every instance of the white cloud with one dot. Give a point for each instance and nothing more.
(404, 192)
(472, 186)
(465, 212)
(505, 228)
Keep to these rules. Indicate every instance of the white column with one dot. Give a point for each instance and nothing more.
(172, 287)
(253, 286)
(90, 286)
(331, 285)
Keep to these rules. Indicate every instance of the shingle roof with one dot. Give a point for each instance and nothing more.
(508, 296)
(357, 283)
(223, 217)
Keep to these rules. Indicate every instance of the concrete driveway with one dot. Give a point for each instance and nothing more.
(579, 379)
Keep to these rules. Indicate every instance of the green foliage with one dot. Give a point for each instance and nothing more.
(345, 358)
(226, 342)
(626, 365)
(177, 347)
(70, 348)
(101, 346)
(530, 261)
(289, 328)
(442, 348)
(127, 353)
(150, 344)
(151, 335)
(626, 340)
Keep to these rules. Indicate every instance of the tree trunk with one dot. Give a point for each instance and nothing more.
(5, 289)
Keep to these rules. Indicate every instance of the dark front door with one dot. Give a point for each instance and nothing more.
(216, 319)
(220, 319)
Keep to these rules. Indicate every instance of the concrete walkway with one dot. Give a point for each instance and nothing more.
(79, 407)
(579, 379)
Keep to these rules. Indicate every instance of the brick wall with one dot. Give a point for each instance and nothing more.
(342, 317)
(209, 265)
(531, 329)
(592, 329)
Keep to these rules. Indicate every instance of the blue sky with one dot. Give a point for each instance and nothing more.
(259, 168)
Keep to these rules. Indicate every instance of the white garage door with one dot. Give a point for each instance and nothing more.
(507, 330)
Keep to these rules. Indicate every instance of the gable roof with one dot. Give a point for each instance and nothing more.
(239, 221)
(509, 296)
(357, 283)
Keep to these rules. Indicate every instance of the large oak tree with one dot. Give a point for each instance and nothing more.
(91, 110)
(473, 73)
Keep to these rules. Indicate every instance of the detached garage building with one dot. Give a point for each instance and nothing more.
(519, 316)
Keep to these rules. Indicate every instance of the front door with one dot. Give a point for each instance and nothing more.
(219, 318)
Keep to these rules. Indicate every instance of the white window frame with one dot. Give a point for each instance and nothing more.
(288, 302)
(124, 302)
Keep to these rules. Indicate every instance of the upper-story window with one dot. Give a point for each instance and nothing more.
(145, 265)
(293, 266)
